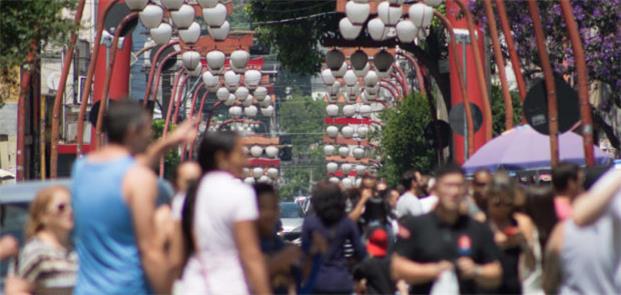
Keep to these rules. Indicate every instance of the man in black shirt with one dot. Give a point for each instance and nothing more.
(445, 240)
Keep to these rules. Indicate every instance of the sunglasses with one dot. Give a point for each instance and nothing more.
(61, 207)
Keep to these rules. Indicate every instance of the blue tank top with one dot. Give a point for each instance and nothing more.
(109, 260)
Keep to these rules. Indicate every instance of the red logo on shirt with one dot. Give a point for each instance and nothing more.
(403, 232)
(464, 242)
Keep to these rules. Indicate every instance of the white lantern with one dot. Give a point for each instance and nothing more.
(329, 150)
(358, 153)
(332, 167)
(210, 80)
(341, 71)
(191, 60)
(235, 111)
(272, 172)
(363, 131)
(335, 89)
(343, 151)
(360, 169)
(215, 60)
(349, 110)
(172, 4)
(191, 34)
(231, 100)
(245, 171)
(358, 181)
(161, 35)
(347, 182)
(396, 2)
(257, 172)
(242, 93)
(271, 151)
(334, 180)
(219, 33)
(406, 31)
(347, 131)
(389, 14)
(196, 71)
(332, 131)
(252, 78)
(251, 111)
(420, 14)
(249, 180)
(256, 151)
(332, 110)
(372, 91)
(346, 168)
(231, 80)
(239, 59)
(267, 111)
(207, 3)
(357, 13)
(267, 101)
(248, 101)
(348, 30)
(183, 17)
(222, 94)
(215, 16)
(260, 93)
(136, 5)
(371, 79)
(327, 77)
(264, 179)
(350, 78)
(352, 91)
(377, 29)
(365, 110)
(433, 3)
(151, 16)
(361, 1)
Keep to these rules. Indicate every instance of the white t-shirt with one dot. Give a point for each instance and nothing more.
(222, 200)
(409, 204)
(428, 203)
(176, 206)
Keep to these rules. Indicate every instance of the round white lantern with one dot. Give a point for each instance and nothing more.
(350, 78)
(347, 131)
(332, 110)
(231, 80)
(267, 111)
(334, 180)
(406, 31)
(346, 168)
(239, 59)
(377, 29)
(235, 111)
(329, 150)
(183, 17)
(266, 102)
(251, 111)
(222, 94)
(340, 72)
(242, 93)
(248, 101)
(343, 151)
(371, 79)
(191, 60)
(360, 169)
(257, 172)
(260, 93)
(365, 110)
(272, 172)
(245, 171)
(211, 81)
(372, 92)
(264, 179)
(252, 78)
(332, 167)
(271, 151)
(215, 16)
(357, 13)
(358, 153)
(172, 4)
(136, 5)
(207, 3)
(215, 60)
(389, 14)
(420, 14)
(151, 16)
(348, 30)
(249, 180)
(335, 89)
(196, 71)
(256, 151)
(347, 182)
(349, 110)
(363, 131)
(231, 100)
(161, 35)
(219, 33)
(327, 77)
(191, 34)
(332, 131)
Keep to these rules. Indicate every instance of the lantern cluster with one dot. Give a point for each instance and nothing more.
(392, 20)
(261, 174)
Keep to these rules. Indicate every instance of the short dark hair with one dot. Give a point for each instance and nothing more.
(563, 173)
(328, 202)
(448, 169)
(481, 171)
(211, 144)
(262, 190)
(407, 178)
(122, 116)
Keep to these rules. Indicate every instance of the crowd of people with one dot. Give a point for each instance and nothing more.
(442, 233)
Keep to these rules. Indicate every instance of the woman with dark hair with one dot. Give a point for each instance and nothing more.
(219, 224)
(331, 222)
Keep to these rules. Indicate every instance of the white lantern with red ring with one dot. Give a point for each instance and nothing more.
(257, 172)
(251, 111)
(235, 111)
(231, 80)
(357, 13)
(348, 30)
(172, 4)
(252, 78)
(327, 77)
(346, 168)
(389, 13)
(358, 153)
(272, 172)
(215, 16)
(349, 110)
(239, 60)
(161, 34)
(215, 61)
(219, 33)
(343, 151)
(267, 111)
(191, 60)
(182, 17)
(207, 3)
(332, 131)
(223, 94)
(331, 167)
(329, 150)
(191, 34)
(271, 151)
(151, 16)
(136, 5)
(332, 110)
(256, 151)
(260, 93)
(406, 31)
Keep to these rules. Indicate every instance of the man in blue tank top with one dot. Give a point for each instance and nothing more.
(114, 200)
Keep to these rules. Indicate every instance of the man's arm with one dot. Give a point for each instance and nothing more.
(551, 267)
(140, 191)
(486, 275)
(251, 256)
(416, 273)
(184, 133)
(591, 205)
(365, 195)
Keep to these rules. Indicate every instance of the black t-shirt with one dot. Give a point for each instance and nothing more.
(377, 273)
(426, 239)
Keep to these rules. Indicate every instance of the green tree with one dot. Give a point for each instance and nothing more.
(498, 108)
(301, 119)
(171, 160)
(27, 23)
(403, 145)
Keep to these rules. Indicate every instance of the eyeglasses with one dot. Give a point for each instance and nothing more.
(62, 207)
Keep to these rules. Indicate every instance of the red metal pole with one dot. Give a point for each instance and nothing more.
(158, 74)
(549, 81)
(583, 81)
(419, 73)
(24, 90)
(106, 90)
(487, 109)
(390, 89)
(515, 59)
(153, 67)
(169, 114)
(61, 91)
(200, 111)
(402, 80)
(180, 97)
(89, 78)
(500, 64)
(194, 98)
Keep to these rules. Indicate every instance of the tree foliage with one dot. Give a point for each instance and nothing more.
(498, 109)
(403, 145)
(300, 118)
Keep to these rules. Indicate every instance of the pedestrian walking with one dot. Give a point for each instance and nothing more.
(47, 264)
(568, 180)
(372, 275)
(408, 203)
(114, 201)
(186, 174)
(219, 218)
(447, 240)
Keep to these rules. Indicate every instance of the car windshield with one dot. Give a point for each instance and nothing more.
(290, 210)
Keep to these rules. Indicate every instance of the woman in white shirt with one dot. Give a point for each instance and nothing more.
(218, 220)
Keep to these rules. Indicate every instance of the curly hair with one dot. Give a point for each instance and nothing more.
(328, 202)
